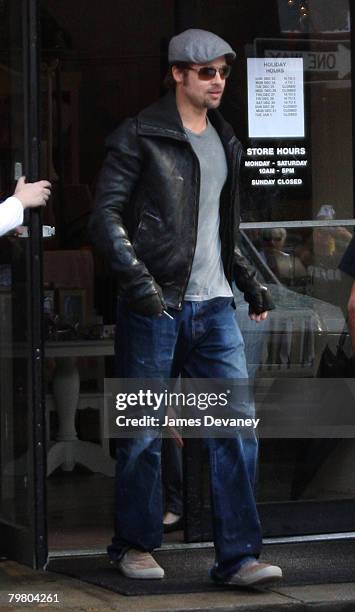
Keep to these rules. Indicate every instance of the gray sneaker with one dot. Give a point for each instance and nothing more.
(254, 573)
(138, 564)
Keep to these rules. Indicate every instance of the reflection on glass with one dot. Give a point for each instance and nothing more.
(303, 259)
(300, 266)
(314, 17)
(286, 266)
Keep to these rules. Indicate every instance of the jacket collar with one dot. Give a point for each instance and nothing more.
(163, 119)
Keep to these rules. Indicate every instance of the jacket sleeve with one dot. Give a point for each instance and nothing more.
(11, 214)
(257, 295)
(117, 180)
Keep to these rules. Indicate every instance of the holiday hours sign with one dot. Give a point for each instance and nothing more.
(275, 97)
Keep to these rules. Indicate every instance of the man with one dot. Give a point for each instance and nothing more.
(26, 195)
(166, 217)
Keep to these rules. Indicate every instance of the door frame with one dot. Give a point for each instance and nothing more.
(28, 545)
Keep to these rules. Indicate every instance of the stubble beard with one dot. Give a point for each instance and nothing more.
(203, 102)
(212, 104)
(207, 103)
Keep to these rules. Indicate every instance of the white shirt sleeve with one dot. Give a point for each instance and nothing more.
(11, 214)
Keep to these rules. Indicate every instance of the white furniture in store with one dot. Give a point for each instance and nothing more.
(68, 450)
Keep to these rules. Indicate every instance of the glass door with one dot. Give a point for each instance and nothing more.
(22, 522)
(290, 100)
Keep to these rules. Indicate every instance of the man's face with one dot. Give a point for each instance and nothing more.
(199, 93)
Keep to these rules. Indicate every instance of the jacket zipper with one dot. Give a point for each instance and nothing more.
(197, 207)
(134, 239)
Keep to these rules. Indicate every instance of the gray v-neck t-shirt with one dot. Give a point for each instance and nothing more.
(207, 279)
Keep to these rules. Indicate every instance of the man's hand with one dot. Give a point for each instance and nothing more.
(32, 195)
(150, 306)
(260, 302)
(147, 307)
(259, 317)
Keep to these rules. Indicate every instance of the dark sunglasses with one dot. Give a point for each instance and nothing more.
(207, 73)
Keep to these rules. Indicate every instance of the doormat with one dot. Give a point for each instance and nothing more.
(186, 570)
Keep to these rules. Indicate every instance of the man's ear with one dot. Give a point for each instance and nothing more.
(178, 74)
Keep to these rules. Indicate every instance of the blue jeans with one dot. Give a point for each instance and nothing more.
(202, 341)
(172, 476)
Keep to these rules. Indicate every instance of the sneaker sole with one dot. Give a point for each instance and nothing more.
(143, 574)
(262, 577)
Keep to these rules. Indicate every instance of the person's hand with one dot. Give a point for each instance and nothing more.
(147, 307)
(150, 306)
(32, 194)
(260, 302)
(259, 317)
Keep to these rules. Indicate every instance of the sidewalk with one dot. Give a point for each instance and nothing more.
(80, 596)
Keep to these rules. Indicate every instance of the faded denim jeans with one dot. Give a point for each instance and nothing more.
(202, 341)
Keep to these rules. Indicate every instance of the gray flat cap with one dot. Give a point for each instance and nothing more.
(198, 47)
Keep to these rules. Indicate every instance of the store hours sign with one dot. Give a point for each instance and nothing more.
(276, 166)
(275, 97)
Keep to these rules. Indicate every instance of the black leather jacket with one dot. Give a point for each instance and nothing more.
(147, 199)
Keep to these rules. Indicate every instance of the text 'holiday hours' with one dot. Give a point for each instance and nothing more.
(275, 98)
